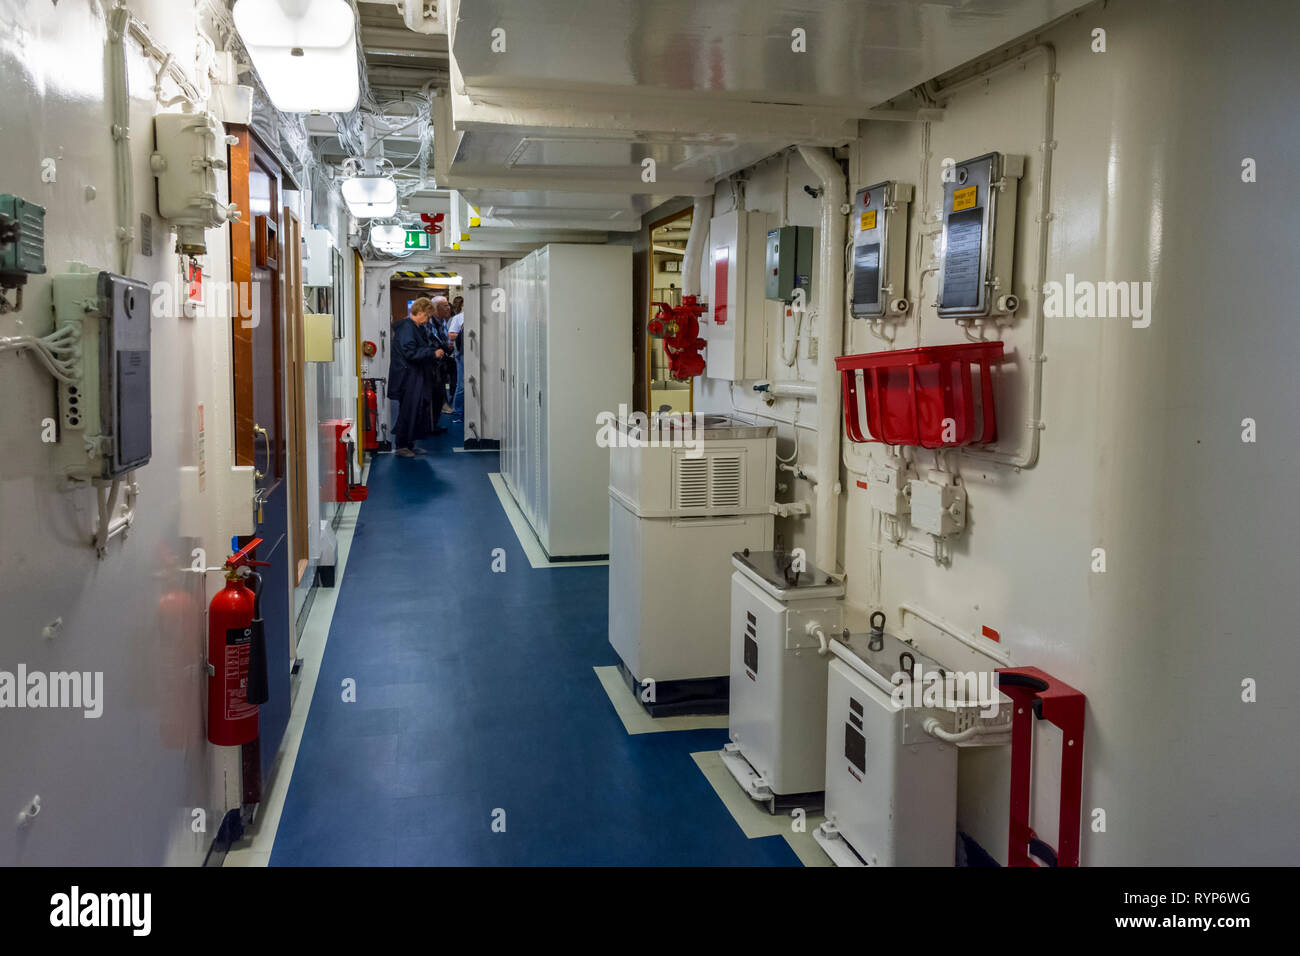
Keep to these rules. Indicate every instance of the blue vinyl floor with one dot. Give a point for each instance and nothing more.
(475, 694)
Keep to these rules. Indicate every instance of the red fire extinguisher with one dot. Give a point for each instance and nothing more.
(369, 432)
(232, 720)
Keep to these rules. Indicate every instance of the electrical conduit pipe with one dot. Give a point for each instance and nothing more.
(694, 256)
(830, 308)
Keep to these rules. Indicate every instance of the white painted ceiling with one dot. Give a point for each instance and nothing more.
(551, 132)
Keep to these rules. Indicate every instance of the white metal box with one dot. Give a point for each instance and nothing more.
(318, 266)
(778, 678)
(891, 788)
(189, 160)
(734, 324)
(938, 504)
(725, 466)
(669, 611)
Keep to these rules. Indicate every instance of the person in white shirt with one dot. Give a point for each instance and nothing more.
(456, 329)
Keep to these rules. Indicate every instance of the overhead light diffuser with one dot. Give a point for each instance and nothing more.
(388, 238)
(304, 51)
(370, 197)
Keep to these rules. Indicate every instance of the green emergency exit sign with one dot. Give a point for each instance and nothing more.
(417, 239)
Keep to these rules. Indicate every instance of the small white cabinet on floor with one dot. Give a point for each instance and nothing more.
(569, 358)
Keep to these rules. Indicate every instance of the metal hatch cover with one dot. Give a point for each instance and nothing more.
(773, 572)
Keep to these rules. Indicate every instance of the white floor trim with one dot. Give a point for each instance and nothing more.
(475, 451)
(637, 721)
(255, 848)
(524, 531)
(753, 820)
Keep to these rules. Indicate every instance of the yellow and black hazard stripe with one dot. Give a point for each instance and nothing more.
(413, 274)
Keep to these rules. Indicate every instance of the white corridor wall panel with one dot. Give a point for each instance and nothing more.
(569, 332)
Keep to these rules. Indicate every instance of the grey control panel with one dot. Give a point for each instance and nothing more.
(105, 411)
(880, 250)
(979, 232)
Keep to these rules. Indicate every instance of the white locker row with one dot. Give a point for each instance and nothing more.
(568, 358)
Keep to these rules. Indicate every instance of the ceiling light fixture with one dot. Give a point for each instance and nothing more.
(370, 197)
(304, 51)
(390, 238)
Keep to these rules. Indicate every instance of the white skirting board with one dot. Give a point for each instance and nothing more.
(524, 531)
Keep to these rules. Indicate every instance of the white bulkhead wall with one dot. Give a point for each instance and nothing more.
(1141, 446)
(775, 186)
(139, 614)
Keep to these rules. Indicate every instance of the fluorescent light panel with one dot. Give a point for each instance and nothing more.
(305, 52)
(370, 197)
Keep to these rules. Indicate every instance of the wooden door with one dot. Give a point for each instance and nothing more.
(297, 399)
(257, 253)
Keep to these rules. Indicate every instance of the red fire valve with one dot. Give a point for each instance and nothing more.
(680, 328)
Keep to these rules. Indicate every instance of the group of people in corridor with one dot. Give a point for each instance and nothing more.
(426, 373)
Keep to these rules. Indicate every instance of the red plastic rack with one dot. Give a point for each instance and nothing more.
(926, 396)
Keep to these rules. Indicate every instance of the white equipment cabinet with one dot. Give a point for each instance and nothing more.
(891, 787)
(778, 676)
(569, 358)
(677, 514)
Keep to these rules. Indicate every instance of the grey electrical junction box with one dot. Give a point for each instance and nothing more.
(106, 412)
(789, 263)
(880, 250)
(979, 236)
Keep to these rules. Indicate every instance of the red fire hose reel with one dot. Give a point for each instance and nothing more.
(1036, 695)
(925, 396)
(680, 328)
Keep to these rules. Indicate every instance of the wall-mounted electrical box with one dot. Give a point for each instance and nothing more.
(887, 488)
(733, 326)
(22, 240)
(319, 263)
(105, 412)
(979, 236)
(318, 337)
(789, 263)
(880, 250)
(938, 505)
(189, 150)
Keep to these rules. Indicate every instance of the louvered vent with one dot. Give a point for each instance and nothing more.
(714, 483)
(724, 489)
(692, 482)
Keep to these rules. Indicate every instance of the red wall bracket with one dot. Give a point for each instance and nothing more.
(1037, 695)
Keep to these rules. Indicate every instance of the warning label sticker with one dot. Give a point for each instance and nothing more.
(868, 220)
(964, 199)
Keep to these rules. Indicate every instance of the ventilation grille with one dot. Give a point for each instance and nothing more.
(724, 490)
(714, 482)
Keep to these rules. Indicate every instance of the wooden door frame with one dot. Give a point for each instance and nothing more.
(650, 297)
(241, 277)
(296, 390)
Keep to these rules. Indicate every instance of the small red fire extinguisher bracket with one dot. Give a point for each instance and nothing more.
(342, 488)
(1036, 695)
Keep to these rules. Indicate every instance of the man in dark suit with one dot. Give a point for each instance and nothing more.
(413, 378)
